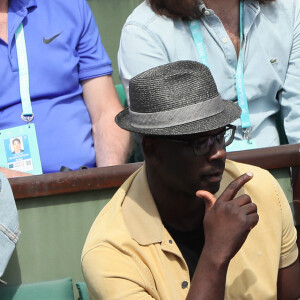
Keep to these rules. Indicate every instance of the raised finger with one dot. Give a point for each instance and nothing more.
(231, 190)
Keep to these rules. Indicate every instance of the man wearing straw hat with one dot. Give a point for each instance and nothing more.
(190, 224)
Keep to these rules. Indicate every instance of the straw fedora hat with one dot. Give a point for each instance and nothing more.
(178, 98)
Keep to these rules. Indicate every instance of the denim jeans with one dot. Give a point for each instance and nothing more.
(9, 225)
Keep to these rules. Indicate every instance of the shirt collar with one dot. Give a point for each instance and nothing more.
(254, 5)
(21, 7)
(202, 6)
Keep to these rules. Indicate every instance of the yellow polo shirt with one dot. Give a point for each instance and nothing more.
(129, 254)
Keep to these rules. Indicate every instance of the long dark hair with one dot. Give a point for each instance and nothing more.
(187, 9)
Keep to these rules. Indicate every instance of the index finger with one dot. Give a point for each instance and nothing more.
(232, 189)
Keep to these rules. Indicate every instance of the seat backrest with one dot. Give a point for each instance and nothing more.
(61, 289)
(121, 94)
(82, 290)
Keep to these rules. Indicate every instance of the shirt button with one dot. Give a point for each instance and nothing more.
(184, 284)
(207, 13)
(170, 241)
(224, 40)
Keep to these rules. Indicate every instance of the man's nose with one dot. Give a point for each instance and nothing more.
(217, 151)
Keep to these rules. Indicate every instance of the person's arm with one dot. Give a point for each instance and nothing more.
(227, 223)
(110, 141)
(288, 284)
(9, 233)
(11, 174)
(111, 274)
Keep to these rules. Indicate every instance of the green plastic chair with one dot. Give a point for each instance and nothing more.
(82, 290)
(121, 94)
(61, 289)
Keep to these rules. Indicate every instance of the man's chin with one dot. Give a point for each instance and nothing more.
(211, 187)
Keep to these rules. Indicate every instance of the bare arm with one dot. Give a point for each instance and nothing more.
(288, 284)
(111, 142)
(227, 223)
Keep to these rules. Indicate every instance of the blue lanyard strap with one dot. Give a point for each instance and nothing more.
(239, 76)
(198, 40)
(27, 114)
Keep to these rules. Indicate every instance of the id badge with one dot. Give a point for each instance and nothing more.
(19, 149)
(240, 145)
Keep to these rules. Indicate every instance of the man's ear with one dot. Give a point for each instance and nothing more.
(151, 151)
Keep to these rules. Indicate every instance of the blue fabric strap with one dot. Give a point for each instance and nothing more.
(23, 72)
(198, 40)
(239, 76)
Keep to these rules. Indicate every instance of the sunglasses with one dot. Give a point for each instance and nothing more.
(204, 145)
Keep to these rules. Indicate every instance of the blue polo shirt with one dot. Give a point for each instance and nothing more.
(56, 68)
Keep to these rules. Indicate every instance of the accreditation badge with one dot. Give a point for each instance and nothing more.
(19, 149)
(240, 145)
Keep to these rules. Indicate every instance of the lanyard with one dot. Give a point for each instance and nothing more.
(239, 76)
(27, 114)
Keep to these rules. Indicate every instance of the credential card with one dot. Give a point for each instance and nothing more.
(19, 149)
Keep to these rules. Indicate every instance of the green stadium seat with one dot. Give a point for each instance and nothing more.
(121, 94)
(83, 291)
(61, 289)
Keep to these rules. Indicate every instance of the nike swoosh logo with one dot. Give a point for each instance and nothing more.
(48, 41)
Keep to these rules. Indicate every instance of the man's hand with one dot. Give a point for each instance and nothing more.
(12, 174)
(227, 223)
(228, 220)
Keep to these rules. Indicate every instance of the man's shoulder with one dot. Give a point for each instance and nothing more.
(56, 3)
(66, 8)
(144, 17)
(278, 9)
(237, 168)
(109, 227)
(142, 14)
